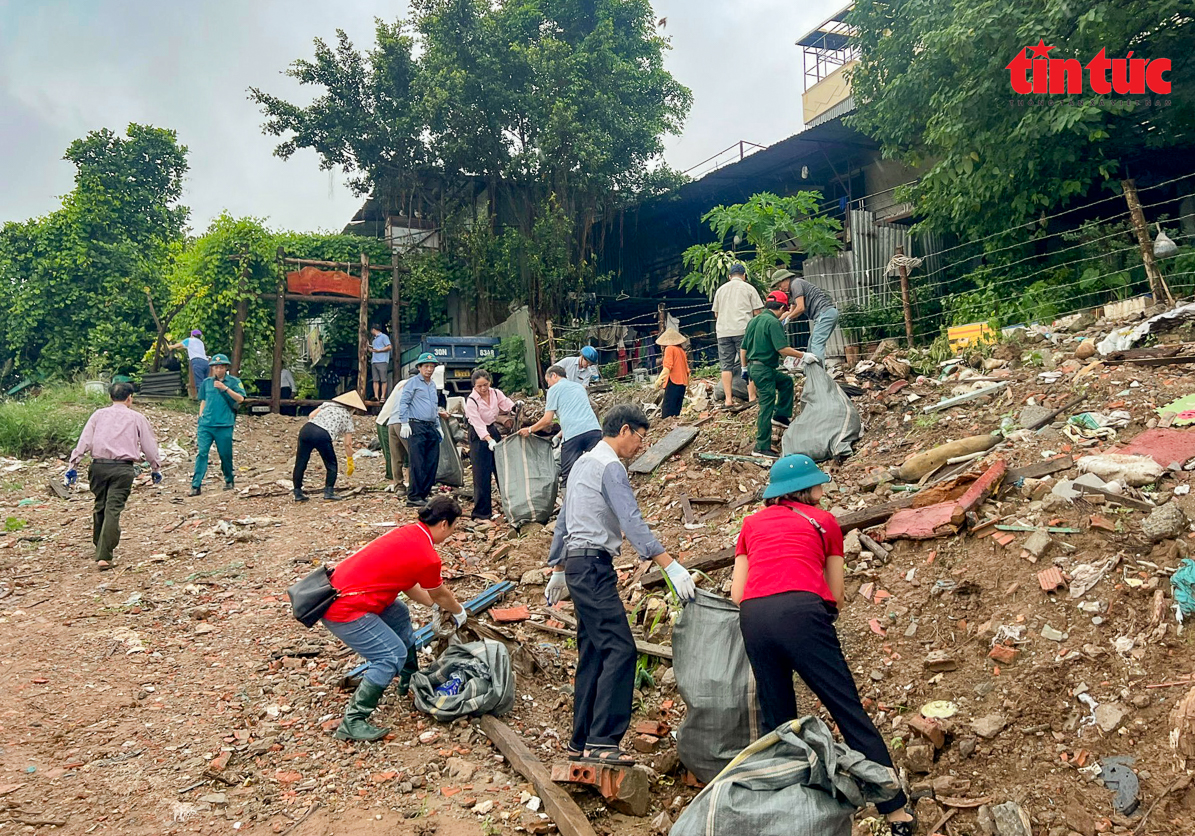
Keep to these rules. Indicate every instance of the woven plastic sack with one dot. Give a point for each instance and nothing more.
(449, 471)
(715, 680)
(529, 476)
(794, 780)
(488, 685)
(828, 425)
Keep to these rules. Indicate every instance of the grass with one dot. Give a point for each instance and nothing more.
(47, 424)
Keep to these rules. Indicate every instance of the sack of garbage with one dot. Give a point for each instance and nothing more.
(794, 780)
(715, 680)
(1127, 470)
(828, 425)
(528, 476)
(449, 471)
(466, 681)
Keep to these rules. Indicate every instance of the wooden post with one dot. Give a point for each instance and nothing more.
(279, 337)
(905, 296)
(551, 344)
(242, 311)
(1156, 283)
(363, 332)
(395, 319)
(663, 315)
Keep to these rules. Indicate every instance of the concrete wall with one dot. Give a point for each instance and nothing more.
(826, 93)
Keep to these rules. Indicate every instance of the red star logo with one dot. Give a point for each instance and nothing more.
(1041, 50)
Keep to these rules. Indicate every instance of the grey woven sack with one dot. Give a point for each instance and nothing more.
(529, 478)
(449, 471)
(829, 424)
(488, 687)
(715, 680)
(795, 780)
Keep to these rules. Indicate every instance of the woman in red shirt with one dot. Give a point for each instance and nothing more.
(369, 618)
(674, 379)
(788, 582)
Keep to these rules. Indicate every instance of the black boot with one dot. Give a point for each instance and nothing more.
(409, 669)
(300, 496)
(330, 493)
(194, 491)
(363, 704)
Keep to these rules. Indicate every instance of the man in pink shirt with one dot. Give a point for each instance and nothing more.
(116, 436)
(482, 408)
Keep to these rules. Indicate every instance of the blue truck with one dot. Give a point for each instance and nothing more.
(459, 356)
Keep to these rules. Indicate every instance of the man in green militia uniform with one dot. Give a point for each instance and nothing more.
(764, 343)
(219, 397)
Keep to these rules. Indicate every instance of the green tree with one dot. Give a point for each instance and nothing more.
(70, 283)
(763, 232)
(932, 87)
(557, 108)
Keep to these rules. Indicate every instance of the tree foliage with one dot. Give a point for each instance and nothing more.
(557, 108)
(932, 87)
(763, 232)
(71, 282)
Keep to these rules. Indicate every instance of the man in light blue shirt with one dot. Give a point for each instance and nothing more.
(419, 412)
(582, 369)
(578, 424)
(380, 366)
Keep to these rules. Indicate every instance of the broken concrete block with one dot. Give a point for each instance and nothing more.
(1007, 819)
(1109, 715)
(850, 543)
(989, 726)
(939, 661)
(1052, 634)
(919, 757)
(1165, 523)
(1037, 544)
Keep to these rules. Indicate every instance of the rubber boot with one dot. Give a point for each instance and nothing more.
(300, 496)
(409, 669)
(330, 493)
(356, 713)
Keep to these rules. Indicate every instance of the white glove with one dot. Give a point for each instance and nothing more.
(460, 617)
(493, 444)
(681, 582)
(404, 431)
(810, 359)
(556, 588)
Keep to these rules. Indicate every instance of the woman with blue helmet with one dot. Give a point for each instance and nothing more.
(788, 583)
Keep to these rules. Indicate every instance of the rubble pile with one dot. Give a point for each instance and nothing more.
(1014, 517)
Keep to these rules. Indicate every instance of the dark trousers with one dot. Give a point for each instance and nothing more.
(774, 390)
(794, 631)
(314, 437)
(575, 448)
(605, 682)
(674, 399)
(424, 447)
(481, 457)
(111, 482)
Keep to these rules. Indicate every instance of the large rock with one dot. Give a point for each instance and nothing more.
(1007, 819)
(1165, 523)
(989, 726)
(1109, 715)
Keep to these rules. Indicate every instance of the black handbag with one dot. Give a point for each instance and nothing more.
(311, 596)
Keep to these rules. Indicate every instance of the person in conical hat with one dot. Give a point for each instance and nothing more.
(328, 421)
(674, 378)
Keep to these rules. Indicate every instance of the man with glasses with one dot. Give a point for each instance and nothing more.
(599, 507)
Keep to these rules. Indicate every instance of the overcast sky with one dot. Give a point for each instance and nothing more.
(71, 66)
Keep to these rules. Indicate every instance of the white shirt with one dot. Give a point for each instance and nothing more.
(195, 348)
(286, 379)
(734, 305)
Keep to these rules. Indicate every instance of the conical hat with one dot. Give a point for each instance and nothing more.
(350, 398)
(671, 337)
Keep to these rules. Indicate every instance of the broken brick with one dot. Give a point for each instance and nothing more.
(1004, 654)
(930, 729)
(511, 615)
(1050, 579)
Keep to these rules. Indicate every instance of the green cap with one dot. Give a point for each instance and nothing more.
(426, 357)
(780, 275)
(791, 474)
(220, 360)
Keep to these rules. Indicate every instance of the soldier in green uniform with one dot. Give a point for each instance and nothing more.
(764, 343)
(219, 397)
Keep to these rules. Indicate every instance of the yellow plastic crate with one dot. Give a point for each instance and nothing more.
(965, 336)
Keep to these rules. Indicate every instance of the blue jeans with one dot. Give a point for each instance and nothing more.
(199, 370)
(382, 638)
(820, 330)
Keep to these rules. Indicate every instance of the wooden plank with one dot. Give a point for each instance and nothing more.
(658, 650)
(1039, 470)
(1114, 498)
(364, 355)
(970, 396)
(708, 563)
(727, 457)
(662, 449)
(1157, 361)
(686, 509)
(874, 515)
(734, 506)
(1049, 419)
(568, 817)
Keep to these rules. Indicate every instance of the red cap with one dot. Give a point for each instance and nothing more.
(778, 296)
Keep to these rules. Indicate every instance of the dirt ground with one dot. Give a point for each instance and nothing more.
(175, 694)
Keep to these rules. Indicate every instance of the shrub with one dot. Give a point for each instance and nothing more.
(47, 424)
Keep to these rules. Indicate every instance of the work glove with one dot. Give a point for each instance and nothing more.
(72, 476)
(157, 477)
(682, 583)
(493, 444)
(518, 405)
(556, 588)
(810, 359)
(460, 618)
(349, 465)
(745, 376)
(404, 431)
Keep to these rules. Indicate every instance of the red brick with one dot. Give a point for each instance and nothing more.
(220, 762)
(931, 730)
(510, 615)
(1004, 654)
